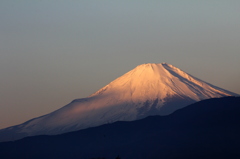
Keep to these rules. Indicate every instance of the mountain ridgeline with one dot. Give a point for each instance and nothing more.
(206, 129)
(149, 89)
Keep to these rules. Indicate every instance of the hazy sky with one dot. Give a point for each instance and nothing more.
(53, 51)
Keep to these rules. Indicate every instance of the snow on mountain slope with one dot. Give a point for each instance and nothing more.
(149, 89)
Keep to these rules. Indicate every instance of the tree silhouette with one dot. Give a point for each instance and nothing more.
(118, 157)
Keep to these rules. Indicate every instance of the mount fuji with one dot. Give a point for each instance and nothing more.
(149, 89)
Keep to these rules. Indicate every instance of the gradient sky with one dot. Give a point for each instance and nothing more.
(53, 51)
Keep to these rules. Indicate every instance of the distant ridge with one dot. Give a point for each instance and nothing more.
(207, 129)
(148, 89)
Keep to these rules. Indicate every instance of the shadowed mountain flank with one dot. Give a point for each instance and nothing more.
(206, 129)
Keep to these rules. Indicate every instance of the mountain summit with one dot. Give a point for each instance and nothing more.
(148, 89)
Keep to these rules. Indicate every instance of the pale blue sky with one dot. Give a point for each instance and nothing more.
(53, 51)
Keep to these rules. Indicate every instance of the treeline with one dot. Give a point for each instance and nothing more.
(105, 158)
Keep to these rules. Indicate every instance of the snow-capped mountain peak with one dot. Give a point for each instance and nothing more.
(148, 89)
